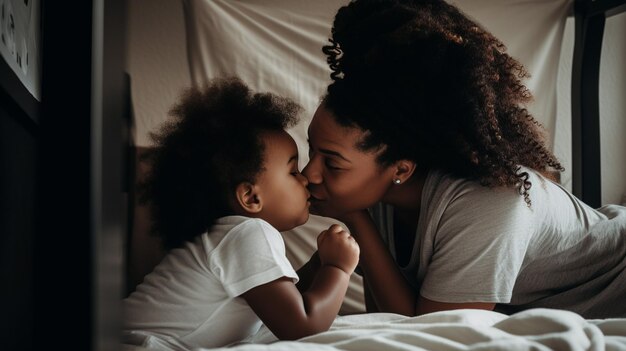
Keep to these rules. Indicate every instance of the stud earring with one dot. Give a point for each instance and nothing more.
(396, 181)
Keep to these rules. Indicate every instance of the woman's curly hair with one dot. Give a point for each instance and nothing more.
(212, 144)
(428, 84)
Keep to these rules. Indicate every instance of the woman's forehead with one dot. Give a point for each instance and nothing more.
(324, 128)
(330, 138)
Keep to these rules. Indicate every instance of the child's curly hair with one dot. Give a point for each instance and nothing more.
(213, 144)
(428, 84)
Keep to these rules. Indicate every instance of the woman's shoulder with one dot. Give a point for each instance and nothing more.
(445, 191)
(445, 184)
(442, 181)
(455, 206)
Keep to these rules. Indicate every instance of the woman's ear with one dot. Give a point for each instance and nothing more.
(403, 170)
(248, 197)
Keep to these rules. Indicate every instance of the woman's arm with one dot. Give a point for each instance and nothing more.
(425, 305)
(370, 304)
(389, 290)
(307, 272)
(291, 314)
(385, 288)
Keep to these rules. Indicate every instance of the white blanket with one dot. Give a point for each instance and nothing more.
(537, 329)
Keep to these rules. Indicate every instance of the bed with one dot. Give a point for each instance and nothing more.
(287, 60)
(536, 329)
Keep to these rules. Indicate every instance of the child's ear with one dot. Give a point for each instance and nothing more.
(403, 170)
(248, 197)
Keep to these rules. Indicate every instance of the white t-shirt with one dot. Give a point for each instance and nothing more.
(479, 244)
(191, 299)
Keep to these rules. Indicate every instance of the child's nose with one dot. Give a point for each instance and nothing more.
(303, 179)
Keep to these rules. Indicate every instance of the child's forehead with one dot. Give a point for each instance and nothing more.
(280, 136)
(280, 144)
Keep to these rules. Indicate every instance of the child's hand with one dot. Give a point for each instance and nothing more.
(337, 248)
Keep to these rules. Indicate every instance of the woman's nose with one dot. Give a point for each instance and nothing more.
(311, 171)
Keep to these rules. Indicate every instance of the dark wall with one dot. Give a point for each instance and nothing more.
(18, 163)
(64, 247)
(61, 194)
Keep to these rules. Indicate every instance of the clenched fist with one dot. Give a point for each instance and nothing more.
(337, 248)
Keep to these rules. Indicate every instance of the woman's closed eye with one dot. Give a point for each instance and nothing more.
(329, 164)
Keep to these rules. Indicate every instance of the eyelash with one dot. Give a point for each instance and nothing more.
(332, 168)
(326, 163)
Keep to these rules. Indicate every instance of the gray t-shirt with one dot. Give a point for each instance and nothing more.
(479, 244)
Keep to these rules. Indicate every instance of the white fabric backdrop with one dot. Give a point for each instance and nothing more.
(275, 46)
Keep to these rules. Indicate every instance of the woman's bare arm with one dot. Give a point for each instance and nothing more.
(386, 290)
(307, 272)
(425, 305)
(370, 304)
(389, 290)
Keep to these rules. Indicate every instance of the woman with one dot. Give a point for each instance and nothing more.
(424, 125)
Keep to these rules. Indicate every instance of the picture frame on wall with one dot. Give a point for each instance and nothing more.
(20, 50)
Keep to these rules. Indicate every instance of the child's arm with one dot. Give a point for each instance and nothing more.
(290, 314)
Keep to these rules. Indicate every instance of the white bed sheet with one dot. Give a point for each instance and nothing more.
(536, 329)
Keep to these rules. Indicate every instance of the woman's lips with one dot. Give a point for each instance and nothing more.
(312, 198)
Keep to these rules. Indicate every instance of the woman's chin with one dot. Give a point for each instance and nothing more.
(314, 208)
(318, 209)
